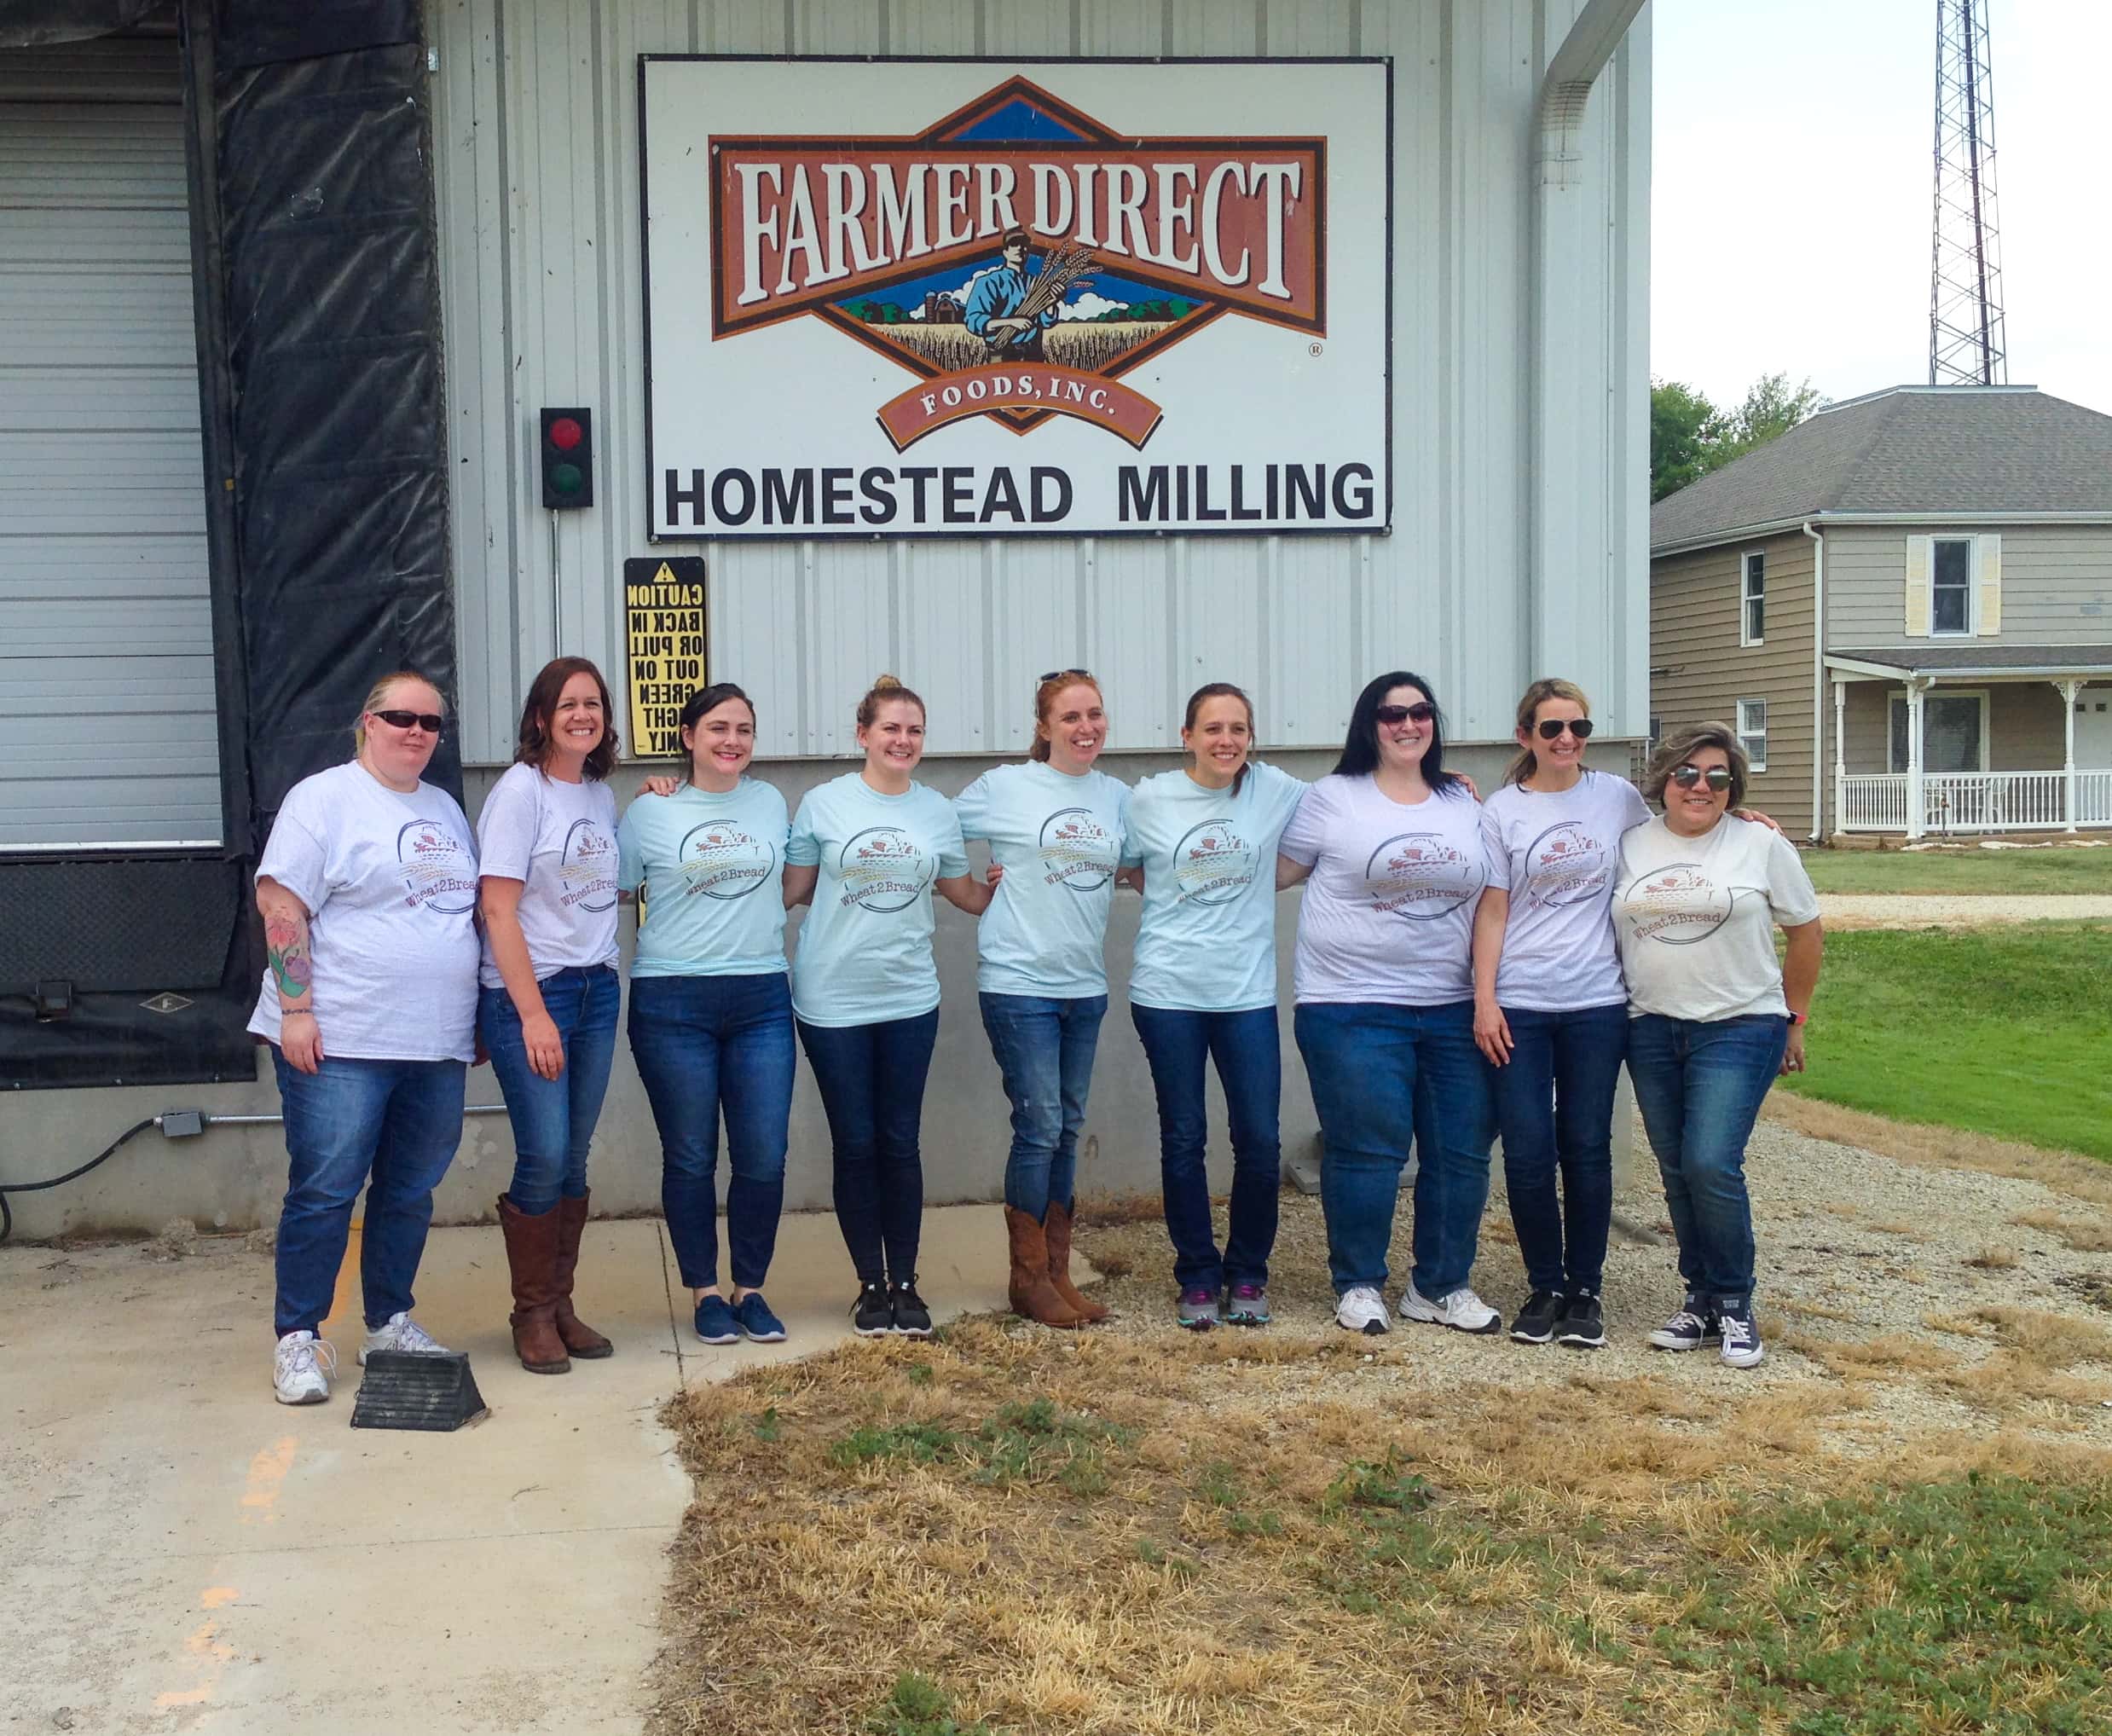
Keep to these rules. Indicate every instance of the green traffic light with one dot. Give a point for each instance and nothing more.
(565, 478)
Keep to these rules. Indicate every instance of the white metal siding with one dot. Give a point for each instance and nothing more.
(105, 641)
(537, 141)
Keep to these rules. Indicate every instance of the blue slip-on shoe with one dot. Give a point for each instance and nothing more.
(757, 1323)
(716, 1321)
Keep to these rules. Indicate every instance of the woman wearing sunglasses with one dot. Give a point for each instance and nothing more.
(1393, 844)
(1203, 988)
(866, 849)
(367, 888)
(1056, 828)
(1715, 1017)
(547, 847)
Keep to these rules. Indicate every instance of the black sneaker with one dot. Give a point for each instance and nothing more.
(1535, 1321)
(1694, 1325)
(1741, 1338)
(911, 1318)
(1582, 1326)
(872, 1315)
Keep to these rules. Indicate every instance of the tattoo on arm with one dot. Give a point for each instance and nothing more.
(285, 945)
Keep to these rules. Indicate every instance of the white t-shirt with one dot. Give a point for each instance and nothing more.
(1556, 851)
(559, 840)
(389, 881)
(1389, 912)
(1696, 918)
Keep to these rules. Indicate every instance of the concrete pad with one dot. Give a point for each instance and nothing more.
(187, 1555)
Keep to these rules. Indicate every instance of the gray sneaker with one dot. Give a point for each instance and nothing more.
(1246, 1304)
(1197, 1310)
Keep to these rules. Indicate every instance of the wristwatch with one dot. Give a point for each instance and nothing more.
(1800, 1018)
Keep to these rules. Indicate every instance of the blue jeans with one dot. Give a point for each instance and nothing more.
(1699, 1085)
(396, 1121)
(554, 1118)
(1555, 1108)
(1250, 1068)
(1381, 1076)
(708, 1045)
(872, 1088)
(1044, 1049)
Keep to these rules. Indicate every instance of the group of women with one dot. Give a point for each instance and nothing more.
(1462, 968)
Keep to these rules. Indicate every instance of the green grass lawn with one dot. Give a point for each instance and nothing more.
(2006, 1030)
(2055, 871)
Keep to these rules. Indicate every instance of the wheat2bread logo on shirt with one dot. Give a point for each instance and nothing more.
(1566, 865)
(588, 866)
(1213, 864)
(718, 860)
(439, 872)
(882, 869)
(1077, 851)
(1678, 905)
(1420, 876)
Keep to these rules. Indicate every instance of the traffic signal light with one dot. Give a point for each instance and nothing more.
(567, 458)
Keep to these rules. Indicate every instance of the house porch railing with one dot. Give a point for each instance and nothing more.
(1972, 802)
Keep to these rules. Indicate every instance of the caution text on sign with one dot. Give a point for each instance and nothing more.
(664, 641)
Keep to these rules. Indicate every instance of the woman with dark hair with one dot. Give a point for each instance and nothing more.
(867, 849)
(367, 887)
(1390, 844)
(1203, 988)
(711, 1011)
(545, 842)
(1055, 827)
(1715, 1016)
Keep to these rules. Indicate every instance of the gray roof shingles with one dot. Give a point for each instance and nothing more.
(1985, 656)
(1918, 449)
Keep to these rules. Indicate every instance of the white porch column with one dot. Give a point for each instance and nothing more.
(2068, 690)
(1916, 820)
(1840, 755)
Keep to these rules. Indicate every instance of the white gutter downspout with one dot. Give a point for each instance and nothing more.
(1818, 684)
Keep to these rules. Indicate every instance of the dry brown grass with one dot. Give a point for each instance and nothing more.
(2083, 1234)
(1075, 343)
(1994, 1259)
(1945, 1147)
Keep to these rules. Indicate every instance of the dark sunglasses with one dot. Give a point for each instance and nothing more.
(1550, 727)
(1718, 777)
(429, 721)
(1422, 711)
(1059, 675)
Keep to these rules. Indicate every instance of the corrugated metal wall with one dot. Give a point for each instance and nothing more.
(536, 136)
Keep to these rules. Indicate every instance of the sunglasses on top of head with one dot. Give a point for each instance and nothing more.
(429, 721)
(1552, 728)
(1718, 777)
(1421, 712)
(1060, 675)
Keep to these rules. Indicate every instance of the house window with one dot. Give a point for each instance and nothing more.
(1752, 619)
(1752, 732)
(1951, 585)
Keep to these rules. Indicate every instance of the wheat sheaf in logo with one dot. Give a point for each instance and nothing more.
(438, 872)
(1419, 875)
(1017, 255)
(1213, 864)
(1565, 864)
(882, 870)
(1679, 905)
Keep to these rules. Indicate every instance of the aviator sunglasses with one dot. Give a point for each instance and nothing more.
(1052, 674)
(429, 721)
(1422, 711)
(1718, 777)
(1550, 727)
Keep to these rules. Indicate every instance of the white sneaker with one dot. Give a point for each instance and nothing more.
(1461, 1309)
(401, 1334)
(301, 1369)
(1361, 1308)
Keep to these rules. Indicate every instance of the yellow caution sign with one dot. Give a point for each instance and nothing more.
(664, 645)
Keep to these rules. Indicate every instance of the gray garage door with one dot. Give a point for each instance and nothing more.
(105, 650)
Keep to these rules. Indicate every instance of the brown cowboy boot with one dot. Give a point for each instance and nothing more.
(581, 1338)
(1056, 1232)
(531, 1253)
(1033, 1296)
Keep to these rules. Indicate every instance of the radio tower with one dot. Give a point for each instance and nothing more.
(1965, 340)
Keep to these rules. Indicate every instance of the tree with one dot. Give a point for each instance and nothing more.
(1771, 407)
(1690, 437)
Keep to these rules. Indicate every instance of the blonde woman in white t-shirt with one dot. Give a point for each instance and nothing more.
(1717, 1018)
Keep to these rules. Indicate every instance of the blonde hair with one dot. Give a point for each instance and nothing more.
(883, 689)
(1548, 687)
(379, 691)
(1046, 699)
(1683, 744)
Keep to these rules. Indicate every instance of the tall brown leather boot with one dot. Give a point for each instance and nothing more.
(581, 1338)
(1033, 1297)
(1056, 1232)
(531, 1255)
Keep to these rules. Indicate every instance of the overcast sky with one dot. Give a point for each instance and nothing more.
(1792, 182)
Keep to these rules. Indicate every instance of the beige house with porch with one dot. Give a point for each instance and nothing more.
(1904, 606)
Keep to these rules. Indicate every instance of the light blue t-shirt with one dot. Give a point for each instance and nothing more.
(864, 949)
(712, 867)
(1208, 939)
(1059, 839)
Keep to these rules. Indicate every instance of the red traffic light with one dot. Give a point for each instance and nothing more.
(566, 433)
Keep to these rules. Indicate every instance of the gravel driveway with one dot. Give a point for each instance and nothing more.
(1846, 910)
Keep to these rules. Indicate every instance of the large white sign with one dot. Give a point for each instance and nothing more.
(933, 297)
